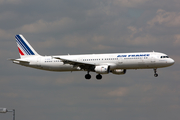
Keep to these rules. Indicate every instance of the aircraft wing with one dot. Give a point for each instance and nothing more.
(82, 65)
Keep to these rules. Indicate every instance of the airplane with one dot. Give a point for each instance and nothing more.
(116, 63)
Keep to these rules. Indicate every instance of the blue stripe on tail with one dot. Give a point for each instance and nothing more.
(21, 46)
(21, 42)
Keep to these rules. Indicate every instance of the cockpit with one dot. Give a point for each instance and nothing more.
(164, 57)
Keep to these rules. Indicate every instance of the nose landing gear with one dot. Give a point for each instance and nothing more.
(155, 73)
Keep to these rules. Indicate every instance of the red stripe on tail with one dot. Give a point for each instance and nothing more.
(20, 51)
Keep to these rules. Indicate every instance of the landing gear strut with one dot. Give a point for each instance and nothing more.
(99, 77)
(155, 73)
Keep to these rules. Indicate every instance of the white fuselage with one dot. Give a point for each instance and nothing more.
(116, 63)
(141, 60)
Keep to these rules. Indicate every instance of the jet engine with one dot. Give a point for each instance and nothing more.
(119, 71)
(104, 69)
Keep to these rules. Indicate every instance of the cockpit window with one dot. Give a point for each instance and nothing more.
(164, 57)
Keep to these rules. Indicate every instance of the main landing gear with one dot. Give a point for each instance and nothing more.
(155, 73)
(88, 76)
(99, 77)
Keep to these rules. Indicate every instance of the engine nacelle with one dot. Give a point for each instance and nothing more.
(104, 69)
(119, 71)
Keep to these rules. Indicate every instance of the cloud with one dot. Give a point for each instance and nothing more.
(102, 47)
(42, 26)
(5, 35)
(10, 95)
(134, 30)
(138, 37)
(143, 40)
(61, 81)
(122, 91)
(129, 3)
(74, 40)
(177, 40)
(10, 1)
(168, 19)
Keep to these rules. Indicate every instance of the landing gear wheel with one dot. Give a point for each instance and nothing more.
(156, 75)
(88, 76)
(98, 77)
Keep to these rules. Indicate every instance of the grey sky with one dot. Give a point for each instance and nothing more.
(90, 26)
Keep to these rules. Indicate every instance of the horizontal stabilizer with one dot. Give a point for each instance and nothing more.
(18, 61)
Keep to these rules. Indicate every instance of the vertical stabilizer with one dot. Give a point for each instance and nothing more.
(25, 49)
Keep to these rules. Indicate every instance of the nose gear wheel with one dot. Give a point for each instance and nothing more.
(155, 73)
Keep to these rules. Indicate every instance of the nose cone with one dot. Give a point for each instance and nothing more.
(171, 61)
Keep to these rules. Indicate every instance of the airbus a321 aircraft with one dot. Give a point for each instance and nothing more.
(116, 63)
